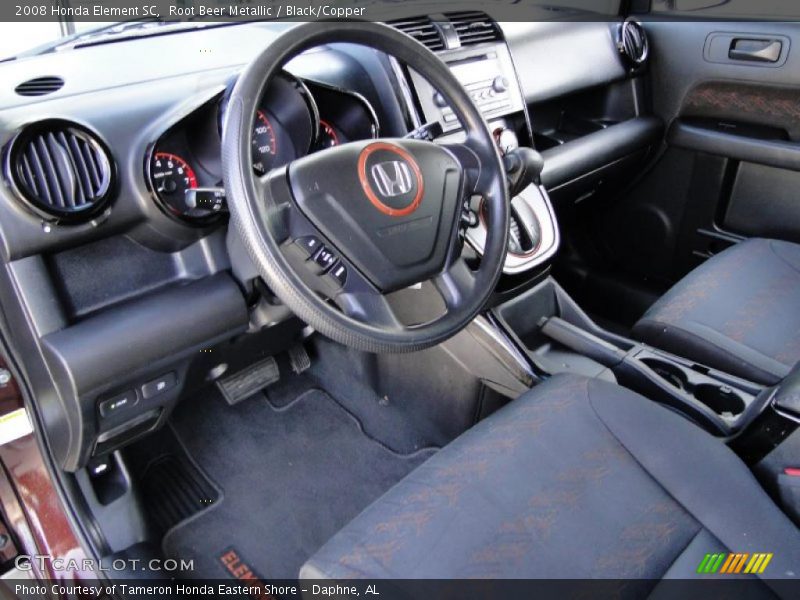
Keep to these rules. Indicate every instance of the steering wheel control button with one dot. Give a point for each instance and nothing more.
(427, 132)
(117, 404)
(325, 258)
(339, 274)
(159, 386)
(390, 178)
(309, 244)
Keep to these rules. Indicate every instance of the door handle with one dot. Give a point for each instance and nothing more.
(755, 50)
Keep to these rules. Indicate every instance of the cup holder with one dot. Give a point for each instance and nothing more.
(720, 399)
(669, 372)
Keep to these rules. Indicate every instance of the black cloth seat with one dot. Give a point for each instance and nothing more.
(738, 312)
(576, 479)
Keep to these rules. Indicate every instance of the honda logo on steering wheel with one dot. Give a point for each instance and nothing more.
(392, 178)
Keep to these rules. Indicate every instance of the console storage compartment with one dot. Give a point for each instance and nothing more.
(521, 317)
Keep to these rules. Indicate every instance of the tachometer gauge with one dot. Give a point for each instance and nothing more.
(327, 135)
(172, 176)
(265, 144)
(181, 192)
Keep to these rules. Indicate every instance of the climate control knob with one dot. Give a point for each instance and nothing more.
(500, 84)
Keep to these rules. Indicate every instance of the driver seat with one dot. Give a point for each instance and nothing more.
(576, 479)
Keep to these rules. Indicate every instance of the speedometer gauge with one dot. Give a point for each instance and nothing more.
(172, 176)
(265, 145)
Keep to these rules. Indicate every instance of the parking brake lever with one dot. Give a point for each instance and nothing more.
(523, 167)
(581, 342)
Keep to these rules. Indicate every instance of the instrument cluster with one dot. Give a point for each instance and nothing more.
(295, 117)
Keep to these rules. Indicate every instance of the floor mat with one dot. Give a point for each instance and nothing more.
(173, 488)
(409, 401)
(293, 470)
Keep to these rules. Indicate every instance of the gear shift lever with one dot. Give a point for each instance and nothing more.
(523, 167)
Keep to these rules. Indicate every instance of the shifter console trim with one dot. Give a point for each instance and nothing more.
(532, 203)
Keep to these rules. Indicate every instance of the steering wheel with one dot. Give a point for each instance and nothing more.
(334, 232)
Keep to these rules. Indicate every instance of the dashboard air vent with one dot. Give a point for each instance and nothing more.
(474, 27)
(62, 171)
(632, 43)
(421, 29)
(39, 86)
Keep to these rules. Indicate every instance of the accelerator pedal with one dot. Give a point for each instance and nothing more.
(250, 380)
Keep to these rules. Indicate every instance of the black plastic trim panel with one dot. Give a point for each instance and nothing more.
(578, 157)
(773, 153)
(93, 358)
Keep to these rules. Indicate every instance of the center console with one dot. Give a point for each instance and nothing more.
(474, 48)
(546, 331)
(557, 336)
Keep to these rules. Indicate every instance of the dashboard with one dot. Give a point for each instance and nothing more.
(119, 275)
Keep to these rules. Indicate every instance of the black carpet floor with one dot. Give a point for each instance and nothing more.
(408, 401)
(293, 470)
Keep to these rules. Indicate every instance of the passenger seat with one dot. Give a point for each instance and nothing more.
(738, 312)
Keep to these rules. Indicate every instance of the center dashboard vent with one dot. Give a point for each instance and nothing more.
(61, 171)
(474, 27)
(632, 43)
(39, 86)
(422, 29)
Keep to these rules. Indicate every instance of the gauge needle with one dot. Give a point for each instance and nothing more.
(167, 186)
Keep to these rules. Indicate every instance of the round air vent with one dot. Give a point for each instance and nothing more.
(40, 86)
(632, 43)
(61, 170)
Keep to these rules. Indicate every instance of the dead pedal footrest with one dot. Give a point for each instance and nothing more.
(247, 382)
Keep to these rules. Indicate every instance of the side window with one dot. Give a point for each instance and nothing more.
(763, 9)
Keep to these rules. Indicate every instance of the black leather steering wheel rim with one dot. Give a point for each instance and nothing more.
(254, 209)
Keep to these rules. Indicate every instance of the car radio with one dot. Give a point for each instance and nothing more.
(486, 72)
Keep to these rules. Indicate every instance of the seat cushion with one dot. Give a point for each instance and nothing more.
(576, 479)
(738, 312)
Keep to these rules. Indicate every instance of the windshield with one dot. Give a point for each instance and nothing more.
(16, 37)
(20, 37)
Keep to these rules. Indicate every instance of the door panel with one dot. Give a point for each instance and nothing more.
(730, 167)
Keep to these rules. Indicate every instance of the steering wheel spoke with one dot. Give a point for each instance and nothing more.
(457, 285)
(369, 307)
(471, 166)
(263, 183)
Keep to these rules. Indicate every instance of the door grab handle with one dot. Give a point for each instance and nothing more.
(755, 50)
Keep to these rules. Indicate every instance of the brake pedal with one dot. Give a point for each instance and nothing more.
(250, 380)
(299, 359)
